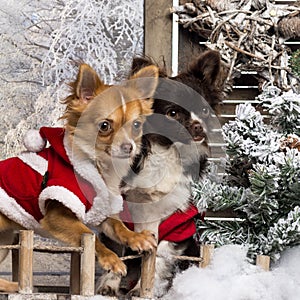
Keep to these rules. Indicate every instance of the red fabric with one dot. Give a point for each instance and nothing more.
(61, 172)
(176, 228)
(21, 183)
(55, 137)
(24, 184)
(179, 226)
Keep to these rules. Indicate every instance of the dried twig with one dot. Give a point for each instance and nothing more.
(243, 27)
(243, 51)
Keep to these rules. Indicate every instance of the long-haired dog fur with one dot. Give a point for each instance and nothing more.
(174, 153)
(103, 128)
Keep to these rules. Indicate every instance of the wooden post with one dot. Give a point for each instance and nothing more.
(158, 31)
(263, 261)
(87, 283)
(25, 262)
(206, 252)
(148, 274)
(75, 273)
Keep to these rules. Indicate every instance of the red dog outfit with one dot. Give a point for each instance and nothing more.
(30, 179)
(176, 228)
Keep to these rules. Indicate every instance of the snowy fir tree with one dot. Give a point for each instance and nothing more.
(261, 185)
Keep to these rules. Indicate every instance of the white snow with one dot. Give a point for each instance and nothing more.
(231, 277)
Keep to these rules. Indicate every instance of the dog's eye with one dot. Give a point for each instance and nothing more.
(104, 126)
(205, 111)
(137, 125)
(172, 113)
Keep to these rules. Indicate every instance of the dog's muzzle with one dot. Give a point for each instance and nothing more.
(197, 131)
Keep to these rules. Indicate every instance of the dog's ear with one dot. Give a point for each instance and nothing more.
(138, 63)
(145, 81)
(207, 67)
(87, 83)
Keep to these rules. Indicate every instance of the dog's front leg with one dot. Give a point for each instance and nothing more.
(63, 225)
(116, 230)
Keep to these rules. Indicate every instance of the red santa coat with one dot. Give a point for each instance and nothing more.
(30, 179)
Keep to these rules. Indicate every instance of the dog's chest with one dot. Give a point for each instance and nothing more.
(161, 172)
(161, 185)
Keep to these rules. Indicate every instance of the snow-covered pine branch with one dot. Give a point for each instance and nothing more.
(262, 180)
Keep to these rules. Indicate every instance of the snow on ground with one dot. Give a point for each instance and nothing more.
(231, 277)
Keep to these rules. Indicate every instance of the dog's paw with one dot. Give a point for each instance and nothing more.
(110, 262)
(108, 284)
(8, 286)
(142, 241)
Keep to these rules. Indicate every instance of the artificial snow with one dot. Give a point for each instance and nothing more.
(231, 277)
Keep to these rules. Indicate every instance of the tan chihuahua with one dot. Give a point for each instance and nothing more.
(62, 189)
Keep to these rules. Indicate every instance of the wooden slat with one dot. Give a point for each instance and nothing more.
(147, 274)
(206, 252)
(240, 93)
(25, 262)
(263, 261)
(158, 31)
(87, 279)
(189, 45)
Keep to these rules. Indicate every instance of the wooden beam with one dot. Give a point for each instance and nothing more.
(148, 274)
(263, 261)
(158, 31)
(189, 47)
(87, 280)
(206, 252)
(25, 262)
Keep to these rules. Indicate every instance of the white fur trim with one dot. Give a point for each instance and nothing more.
(10, 208)
(64, 196)
(105, 204)
(33, 141)
(36, 162)
(99, 212)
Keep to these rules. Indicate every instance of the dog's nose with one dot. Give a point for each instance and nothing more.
(196, 127)
(126, 148)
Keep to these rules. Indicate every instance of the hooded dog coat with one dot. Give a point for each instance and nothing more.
(27, 181)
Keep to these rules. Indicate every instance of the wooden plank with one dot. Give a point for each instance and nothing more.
(158, 31)
(25, 262)
(189, 45)
(87, 281)
(33, 297)
(263, 261)
(189, 48)
(148, 274)
(206, 252)
(240, 93)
